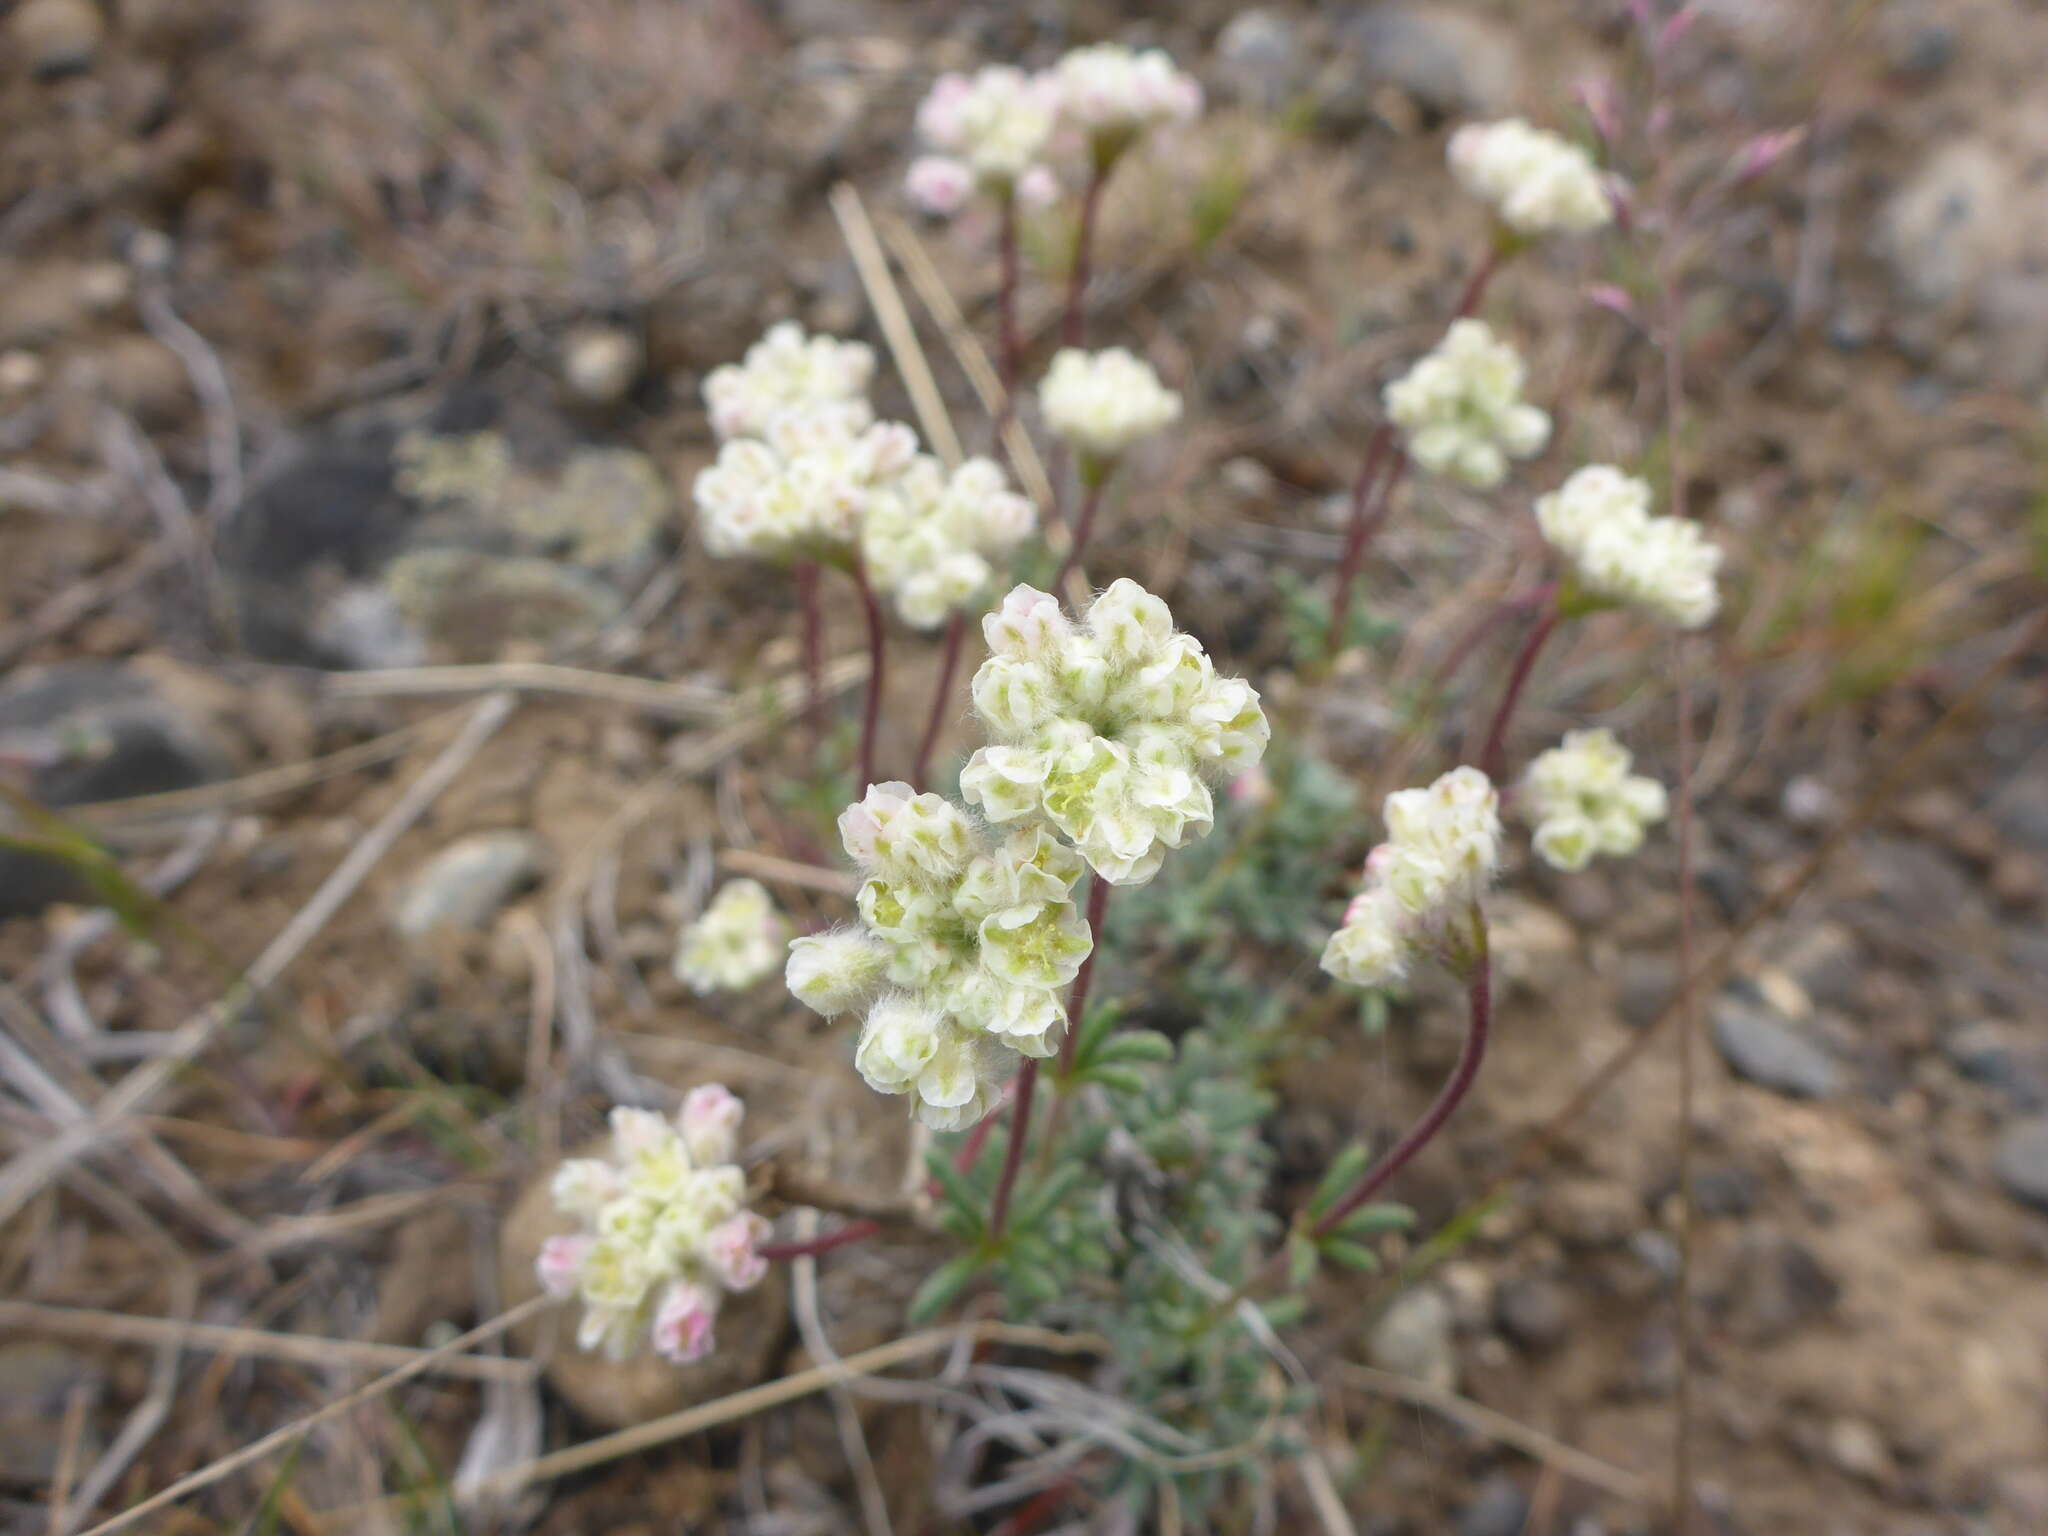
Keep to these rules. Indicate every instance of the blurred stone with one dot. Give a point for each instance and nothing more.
(143, 377)
(1500, 1508)
(1827, 963)
(41, 303)
(1531, 945)
(1855, 1446)
(2020, 1161)
(467, 882)
(1449, 62)
(1590, 1213)
(1769, 1285)
(38, 1379)
(2016, 880)
(1413, 1338)
(1919, 42)
(1995, 1054)
(20, 372)
(1768, 1051)
(1644, 984)
(57, 37)
(1535, 1312)
(601, 362)
(1949, 228)
(618, 1394)
(480, 605)
(1725, 1190)
(1259, 57)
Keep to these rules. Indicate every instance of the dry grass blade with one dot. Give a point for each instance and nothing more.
(251, 1343)
(207, 1476)
(1494, 1425)
(668, 701)
(780, 871)
(894, 319)
(33, 1169)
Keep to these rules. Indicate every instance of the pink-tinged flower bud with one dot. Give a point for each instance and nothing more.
(1612, 299)
(939, 184)
(1028, 626)
(732, 1249)
(1037, 189)
(561, 1263)
(939, 115)
(1674, 30)
(1603, 106)
(682, 1323)
(710, 1123)
(1252, 788)
(1765, 151)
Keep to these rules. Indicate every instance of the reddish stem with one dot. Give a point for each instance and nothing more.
(1082, 529)
(1369, 514)
(814, 649)
(1042, 1506)
(949, 665)
(1480, 993)
(852, 1232)
(1013, 1154)
(1073, 320)
(1493, 756)
(871, 711)
(1011, 348)
(1477, 284)
(1077, 1000)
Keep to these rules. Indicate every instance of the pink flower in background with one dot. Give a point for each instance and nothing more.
(1038, 189)
(682, 1323)
(732, 1250)
(939, 184)
(561, 1263)
(710, 1123)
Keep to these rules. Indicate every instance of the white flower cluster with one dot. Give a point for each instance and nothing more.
(787, 369)
(1461, 408)
(966, 939)
(1103, 402)
(932, 538)
(1115, 95)
(664, 1230)
(1112, 731)
(737, 941)
(1422, 884)
(989, 132)
(802, 488)
(1600, 520)
(1584, 801)
(1536, 182)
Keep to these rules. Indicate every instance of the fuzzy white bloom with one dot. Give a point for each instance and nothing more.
(1600, 520)
(739, 939)
(783, 370)
(663, 1230)
(805, 487)
(1112, 731)
(1422, 885)
(1584, 802)
(992, 126)
(968, 937)
(1537, 182)
(1102, 402)
(1114, 95)
(931, 539)
(1461, 410)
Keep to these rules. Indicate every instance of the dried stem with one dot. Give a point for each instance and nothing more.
(871, 709)
(1074, 319)
(1493, 756)
(1083, 527)
(949, 666)
(1013, 1155)
(852, 1232)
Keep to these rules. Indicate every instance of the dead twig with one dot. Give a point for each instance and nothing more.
(667, 701)
(894, 319)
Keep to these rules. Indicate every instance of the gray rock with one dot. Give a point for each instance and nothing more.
(1950, 227)
(1765, 1049)
(2020, 1161)
(476, 605)
(1827, 962)
(1644, 984)
(1500, 1508)
(1771, 1284)
(1591, 1213)
(1535, 1312)
(1450, 62)
(37, 1382)
(466, 883)
(1413, 1339)
(57, 37)
(1259, 57)
(1725, 1190)
(1998, 1056)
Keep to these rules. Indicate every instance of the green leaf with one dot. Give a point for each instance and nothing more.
(1369, 1220)
(1136, 1045)
(1302, 1259)
(1285, 1311)
(1046, 1198)
(1094, 1029)
(953, 1184)
(1118, 1079)
(1033, 1285)
(943, 1287)
(1344, 1172)
(1350, 1255)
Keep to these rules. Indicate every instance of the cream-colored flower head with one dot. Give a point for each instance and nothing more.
(738, 940)
(804, 488)
(663, 1232)
(1112, 730)
(932, 539)
(1103, 402)
(1460, 408)
(967, 939)
(784, 370)
(1600, 521)
(1536, 182)
(1422, 885)
(1584, 802)
(1113, 95)
(988, 131)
